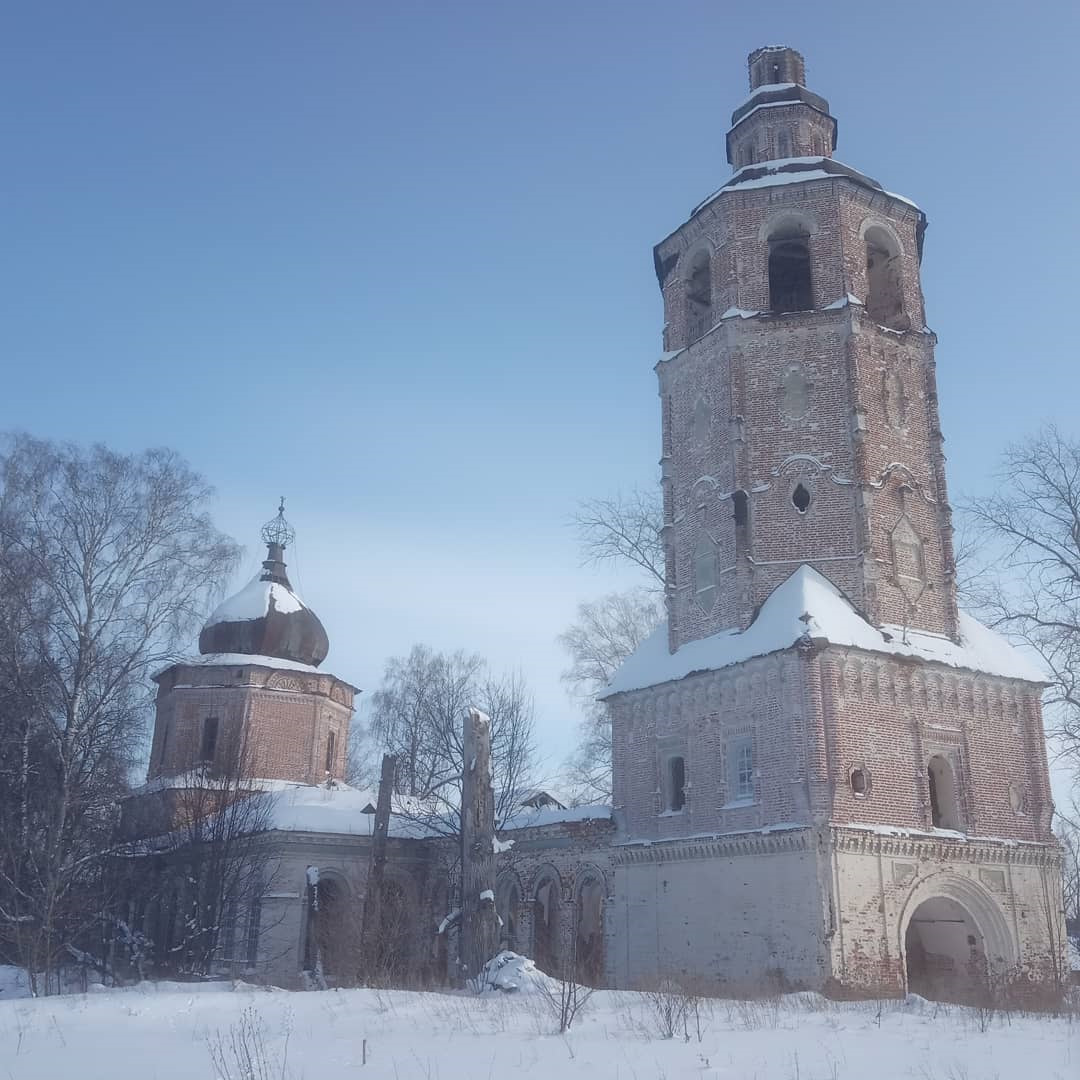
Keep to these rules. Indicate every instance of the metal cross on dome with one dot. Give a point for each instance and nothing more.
(278, 530)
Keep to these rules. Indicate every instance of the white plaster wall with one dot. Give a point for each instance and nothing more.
(724, 920)
(1012, 892)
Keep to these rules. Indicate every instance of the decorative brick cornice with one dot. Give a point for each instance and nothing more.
(973, 850)
(713, 847)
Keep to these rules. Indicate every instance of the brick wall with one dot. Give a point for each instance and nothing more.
(279, 722)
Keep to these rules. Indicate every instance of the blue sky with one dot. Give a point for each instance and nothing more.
(394, 262)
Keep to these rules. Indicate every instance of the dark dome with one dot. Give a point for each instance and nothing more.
(266, 618)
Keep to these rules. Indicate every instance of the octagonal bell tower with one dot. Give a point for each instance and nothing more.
(799, 399)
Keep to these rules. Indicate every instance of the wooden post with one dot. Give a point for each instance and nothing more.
(381, 830)
(479, 923)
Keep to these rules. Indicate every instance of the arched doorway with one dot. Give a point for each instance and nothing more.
(546, 926)
(507, 904)
(589, 947)
(945, 951)
(329, 942)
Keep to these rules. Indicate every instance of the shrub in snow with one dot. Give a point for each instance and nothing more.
(510, 972)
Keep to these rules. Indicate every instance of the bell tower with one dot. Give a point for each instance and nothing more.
(799, 400)
(818, 741)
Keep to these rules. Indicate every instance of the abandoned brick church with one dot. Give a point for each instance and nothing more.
(824, 772)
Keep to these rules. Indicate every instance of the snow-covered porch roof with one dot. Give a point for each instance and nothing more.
(808, 607)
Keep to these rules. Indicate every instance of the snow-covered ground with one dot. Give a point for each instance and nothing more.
(168, 1030)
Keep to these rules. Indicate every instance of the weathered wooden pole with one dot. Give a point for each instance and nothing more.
(479, 923)
(381, 830)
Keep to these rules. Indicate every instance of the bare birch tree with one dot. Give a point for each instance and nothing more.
(605, 632)
(416, 714)
(623, 530)
(107, 561)
(198, 880)
(1029, 586)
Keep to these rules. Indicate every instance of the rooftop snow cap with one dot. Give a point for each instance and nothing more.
(266, 618)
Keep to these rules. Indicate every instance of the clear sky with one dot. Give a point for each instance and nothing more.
(394, 262)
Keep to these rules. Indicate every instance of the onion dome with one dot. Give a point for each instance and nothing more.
(266, 618)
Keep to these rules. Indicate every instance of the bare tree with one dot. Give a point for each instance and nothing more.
(1067, 829)
(416, 714)
(1030, 587)
(605, 633)
(624, 529)
(192, 877)
(107, 561)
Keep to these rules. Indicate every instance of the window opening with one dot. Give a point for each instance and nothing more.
(706, 576)
(164, 743)
(800, 497)
(740, 508)
(590, 933)
(790, 287)
(860, 783)
(884, 284)
(944, 808)
(699, 297)
(208, 745)
(546, 927)
(742, 770)
(676, 784)
(783, 142)
(331, 740)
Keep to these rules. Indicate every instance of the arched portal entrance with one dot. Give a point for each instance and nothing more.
(945, 951)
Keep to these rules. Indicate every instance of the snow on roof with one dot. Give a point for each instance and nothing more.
(253, 602)
(779, 172)
(810, 607)
(229, 659)
(766, 88)
(528, 818)
(341, 809)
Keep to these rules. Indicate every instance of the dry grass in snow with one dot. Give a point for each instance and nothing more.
(171, 1031)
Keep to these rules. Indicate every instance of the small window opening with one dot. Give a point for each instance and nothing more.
(208, 745)
(740, 508)
(790, 287)
(676, 784)
(801, 498)
(944, 807)
(699, 297)
(783, 144)
(742, 770)
(706, 575)
(331, 746)
(860, 782)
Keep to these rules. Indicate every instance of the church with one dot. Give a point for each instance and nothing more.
(825, 774)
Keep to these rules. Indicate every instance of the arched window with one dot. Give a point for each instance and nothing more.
(706, 575)
(944, 803)
(331, 741)
(790, 288)
(589, 947)
(546, 926)
(507, 902)
(208, 742)
(884, 284)
(699, 296)
(783, 143)
(675, 784)
(740, 512)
